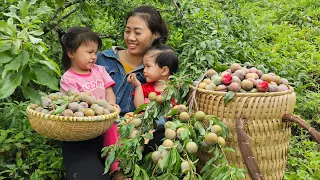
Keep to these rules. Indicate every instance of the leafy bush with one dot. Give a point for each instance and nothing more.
(22, 51)
(23, 152)
(303, 159)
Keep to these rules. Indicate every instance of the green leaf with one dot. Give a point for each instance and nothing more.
(110, 159)
(240, 173)
(38, 32)
(16, 46)
(155, 113)
(12, 66)
(9, 84)
(61, 108)
(23, 58)
(26, 76)
(178, 163)
(145, 175)
(30, 93)
(5, 57)
(34, 176)
(148, 136)
(187, 177)
(140, 108)
(173, 112)
(42, 10)
(184, 134)
(50, 64)
(19, 61)
(124, 131)
(138, 152)
(23, 5)
(41, 47)
(216, 172)
(12, 14)
(32, 2)
(45, 78)
(22, 34)
(229, 149)
(34, 40)
(199, 126)
(19, 162)
(164, 162)
(5, 45)
(60, 3)
(228, 96)
(136, 171)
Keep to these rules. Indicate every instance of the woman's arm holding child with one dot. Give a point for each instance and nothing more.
(138, 96)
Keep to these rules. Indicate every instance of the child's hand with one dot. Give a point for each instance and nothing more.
(132, 78)
(120, 176)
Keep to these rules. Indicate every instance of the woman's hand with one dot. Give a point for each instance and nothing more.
(132, 78)
(119, 175)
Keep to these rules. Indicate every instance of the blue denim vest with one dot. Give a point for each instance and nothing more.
(123, 90)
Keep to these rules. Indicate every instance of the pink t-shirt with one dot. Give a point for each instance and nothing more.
(95, 82)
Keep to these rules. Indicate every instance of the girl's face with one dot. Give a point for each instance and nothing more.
(84, 57)
(138, 36)
(152, 72)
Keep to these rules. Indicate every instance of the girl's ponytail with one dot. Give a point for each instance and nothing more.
(66, 62)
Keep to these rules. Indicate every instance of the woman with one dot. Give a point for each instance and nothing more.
(144, 28)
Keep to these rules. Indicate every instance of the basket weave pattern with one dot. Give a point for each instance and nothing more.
(269, 136)
(70, 128)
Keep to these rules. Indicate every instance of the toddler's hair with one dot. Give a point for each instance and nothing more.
(73, 38)
(165, 56)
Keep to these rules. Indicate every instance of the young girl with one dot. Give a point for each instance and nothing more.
(159, 63)
(80, 46)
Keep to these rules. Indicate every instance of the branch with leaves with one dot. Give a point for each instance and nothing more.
(185, 133)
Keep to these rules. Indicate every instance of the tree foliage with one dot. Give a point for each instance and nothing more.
(278, 36)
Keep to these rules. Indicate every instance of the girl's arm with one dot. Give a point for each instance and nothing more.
(138, 97)
(138, 94)
(110, 96)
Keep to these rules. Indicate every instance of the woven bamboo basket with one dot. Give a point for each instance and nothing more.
(269, 136)
(70, 128)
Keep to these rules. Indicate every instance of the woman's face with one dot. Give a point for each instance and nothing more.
(138, 36)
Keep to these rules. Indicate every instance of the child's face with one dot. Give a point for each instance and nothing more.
(152, 71)
(84, 57)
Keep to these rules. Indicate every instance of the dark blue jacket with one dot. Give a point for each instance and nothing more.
(123, 89)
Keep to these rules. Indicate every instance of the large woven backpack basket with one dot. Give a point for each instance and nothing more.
(269, 136)
(71, 128)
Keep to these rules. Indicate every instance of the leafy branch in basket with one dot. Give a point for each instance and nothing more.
(188, 136)
(195, 138)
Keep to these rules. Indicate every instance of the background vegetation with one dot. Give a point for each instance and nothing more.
(280, 36)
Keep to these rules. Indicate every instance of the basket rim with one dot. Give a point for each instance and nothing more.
(238, 94)
(73, 119)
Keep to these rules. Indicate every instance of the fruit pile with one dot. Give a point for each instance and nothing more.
(73, 104)
(243, 79)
